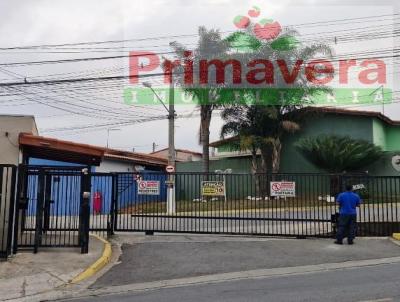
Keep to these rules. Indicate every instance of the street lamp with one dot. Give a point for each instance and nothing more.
(108, 133)
(171, 143)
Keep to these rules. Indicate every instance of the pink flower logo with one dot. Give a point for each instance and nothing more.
(267, 29)
(254, 12)
(263, 30)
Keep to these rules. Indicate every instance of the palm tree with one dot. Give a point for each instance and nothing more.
(259, 129)
(210, 46)
(338, 154)
(267, 125)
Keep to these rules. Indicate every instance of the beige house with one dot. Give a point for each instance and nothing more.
(10, 128)
(181, 155)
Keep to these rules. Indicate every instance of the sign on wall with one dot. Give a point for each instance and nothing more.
(283, 188)
(213, 188)
(148, 187)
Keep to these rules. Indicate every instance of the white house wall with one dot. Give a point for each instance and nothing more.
(114, 166)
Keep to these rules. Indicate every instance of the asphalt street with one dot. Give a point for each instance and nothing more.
(154, 258)
(380, 283)
(232, 268)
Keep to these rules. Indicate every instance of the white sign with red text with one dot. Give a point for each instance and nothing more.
(148, 187)
(283, 188)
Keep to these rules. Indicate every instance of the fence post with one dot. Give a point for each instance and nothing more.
(12, 210)
(19, 203)
(114, 197)
(39, 210)
(84, 220)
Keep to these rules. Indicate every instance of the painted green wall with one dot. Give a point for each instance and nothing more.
(393, 138)
(293, 162)
(379, 133)
(358, 127)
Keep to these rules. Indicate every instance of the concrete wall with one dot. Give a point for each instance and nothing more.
(10, 128)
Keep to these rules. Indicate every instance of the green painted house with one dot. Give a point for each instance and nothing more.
(367, 125)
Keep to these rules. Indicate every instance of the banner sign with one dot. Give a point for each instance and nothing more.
(283, 188)
(213, 188)
(148, 187)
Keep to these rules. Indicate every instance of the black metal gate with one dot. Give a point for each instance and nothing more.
(53, 209)
(58, 206)
(248, 205)
(245, 208)
(7, 201)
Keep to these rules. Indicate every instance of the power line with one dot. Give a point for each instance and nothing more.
(326, 22)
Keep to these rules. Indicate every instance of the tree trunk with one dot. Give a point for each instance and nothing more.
(276, 155)
(205, 115)
(255, 171)
(265, 168)
(265, 159)
(206, 152)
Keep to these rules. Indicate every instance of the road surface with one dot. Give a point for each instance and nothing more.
(380, 283)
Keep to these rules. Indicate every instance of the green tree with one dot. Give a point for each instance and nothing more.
(259, 129)
(262, 124)
(338, 154)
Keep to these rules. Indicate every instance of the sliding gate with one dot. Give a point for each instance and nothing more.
(225, 204)
(59, 206)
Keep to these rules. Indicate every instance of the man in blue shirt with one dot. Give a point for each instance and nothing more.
(348, 202)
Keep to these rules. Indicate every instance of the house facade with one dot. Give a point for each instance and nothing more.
(181, 155)
(367, 125)
(10, 128)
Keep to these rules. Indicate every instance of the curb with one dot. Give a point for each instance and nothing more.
(96, 266)
(396, 236)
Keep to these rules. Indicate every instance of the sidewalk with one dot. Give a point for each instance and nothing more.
(30, 274)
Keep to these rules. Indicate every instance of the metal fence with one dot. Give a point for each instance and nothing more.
(58, 207)
(246, 206)
(7, 197)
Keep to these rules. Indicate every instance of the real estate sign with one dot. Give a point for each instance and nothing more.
(213, 188)
(283, 188)
(148, 187)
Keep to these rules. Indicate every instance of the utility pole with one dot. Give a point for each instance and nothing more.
(154, 147)
(171, 207)
(171, 204)
(171, 126)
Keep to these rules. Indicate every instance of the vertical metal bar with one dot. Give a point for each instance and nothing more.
(113, 209)
(39, 211)
(85, 212)
(20, 198)
(11, 173)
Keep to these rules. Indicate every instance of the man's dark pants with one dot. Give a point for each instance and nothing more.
(346, 226)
